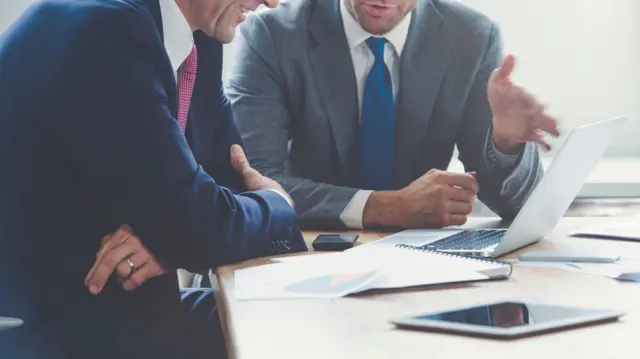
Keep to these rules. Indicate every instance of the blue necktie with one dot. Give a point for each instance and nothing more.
(376, 140)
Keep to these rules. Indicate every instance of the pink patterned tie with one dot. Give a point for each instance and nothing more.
(186, 81)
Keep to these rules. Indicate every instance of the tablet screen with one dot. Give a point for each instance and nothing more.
(507, 319)
(505, 314)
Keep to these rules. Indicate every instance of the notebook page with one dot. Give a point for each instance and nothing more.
(397, 256)
(299, 279)
(398, 268)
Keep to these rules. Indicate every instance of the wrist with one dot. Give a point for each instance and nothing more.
(504, 144)
(381, 209)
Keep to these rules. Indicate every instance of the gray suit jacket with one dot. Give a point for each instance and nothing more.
(293, 90)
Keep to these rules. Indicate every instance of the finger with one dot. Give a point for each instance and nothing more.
(239, 159)
(139, 259)
(109, 242)
(118, 237)
(104, 240)
(545, 145)
(547, 124)
(152, 269)
(538, 138)
(462, 195)
(456, 219)
(107, 264)
(456, 207)
(99, 273)
(507, 67)
(464, 180)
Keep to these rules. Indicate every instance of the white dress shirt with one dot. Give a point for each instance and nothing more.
(178, 37)
(363, 60)
(178, 41)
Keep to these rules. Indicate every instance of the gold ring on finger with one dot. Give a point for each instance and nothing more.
(132, 266)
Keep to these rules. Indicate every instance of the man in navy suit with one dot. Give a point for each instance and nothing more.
(111, 113)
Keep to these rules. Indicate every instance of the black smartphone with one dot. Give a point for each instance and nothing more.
(334, 242)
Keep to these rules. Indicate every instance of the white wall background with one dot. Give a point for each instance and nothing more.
(582, 57)
(9, 10)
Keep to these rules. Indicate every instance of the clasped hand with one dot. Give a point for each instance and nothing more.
(124, 254)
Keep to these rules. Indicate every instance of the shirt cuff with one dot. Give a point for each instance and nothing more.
(351, 216)
(498, 160)
(286, 198)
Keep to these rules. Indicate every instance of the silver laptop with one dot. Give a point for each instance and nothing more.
(543, 209)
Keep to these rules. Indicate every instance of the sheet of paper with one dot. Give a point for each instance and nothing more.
(306, 257)
(396, 267)
(390, 257)
(301, 280)
(625, 266)
(558, 265)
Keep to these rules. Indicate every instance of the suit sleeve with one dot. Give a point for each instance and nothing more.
(121, 138)
(505, 183)
(258, 94)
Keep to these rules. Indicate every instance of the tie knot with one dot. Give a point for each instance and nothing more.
(376, 45)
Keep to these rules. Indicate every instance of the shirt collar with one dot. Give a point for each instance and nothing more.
(178, 37)
(357, 35)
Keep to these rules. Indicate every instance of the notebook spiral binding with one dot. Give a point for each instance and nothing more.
(479, 259)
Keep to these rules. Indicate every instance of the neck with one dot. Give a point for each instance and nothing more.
(185, 6)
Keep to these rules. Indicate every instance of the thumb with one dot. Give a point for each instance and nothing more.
(507, 67)
(239, 161)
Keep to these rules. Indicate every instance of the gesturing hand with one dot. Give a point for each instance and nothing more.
(123, 253)
(517, 116)
(253, 180)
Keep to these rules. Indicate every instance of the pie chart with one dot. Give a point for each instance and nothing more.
(331, 283)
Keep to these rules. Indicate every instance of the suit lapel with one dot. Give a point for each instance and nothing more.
(335, 78)
(171, 88)
(422, 66)
(156, 14)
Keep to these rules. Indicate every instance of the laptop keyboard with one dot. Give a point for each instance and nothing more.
(468, 239)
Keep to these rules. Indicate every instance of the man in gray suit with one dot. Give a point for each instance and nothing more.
(355, 107)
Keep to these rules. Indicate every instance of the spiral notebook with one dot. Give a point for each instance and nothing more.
(378, 267)
(492, 268)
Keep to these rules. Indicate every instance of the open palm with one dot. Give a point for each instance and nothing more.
(517, 116)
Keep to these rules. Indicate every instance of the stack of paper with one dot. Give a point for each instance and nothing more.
(627, 269)
(338, 274)
(622, 269)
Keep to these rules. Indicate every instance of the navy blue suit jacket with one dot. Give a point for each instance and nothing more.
(88, 142)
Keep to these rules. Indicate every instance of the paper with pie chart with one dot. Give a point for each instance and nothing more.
(287, 280)
(331, 284)
(339, 274)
